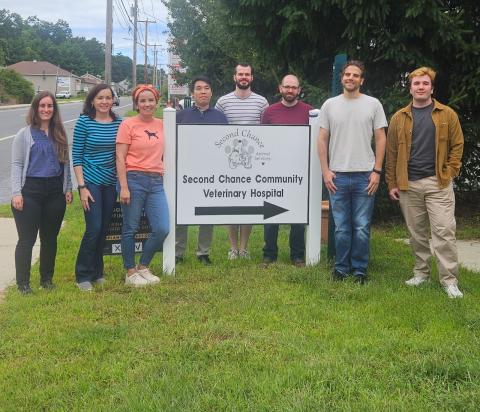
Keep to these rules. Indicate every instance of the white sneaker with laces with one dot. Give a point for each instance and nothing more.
(453, 291)
(148, 276)
(415, 281)
(232, 254)
(136, 280)
(244, 254)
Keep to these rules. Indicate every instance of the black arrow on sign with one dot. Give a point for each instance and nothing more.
(268, 210)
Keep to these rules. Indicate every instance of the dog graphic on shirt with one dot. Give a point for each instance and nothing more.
(151, 134)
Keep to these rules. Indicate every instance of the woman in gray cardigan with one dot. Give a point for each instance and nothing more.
(41, 188)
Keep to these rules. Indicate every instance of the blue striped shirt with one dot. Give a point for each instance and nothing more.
(94, 149)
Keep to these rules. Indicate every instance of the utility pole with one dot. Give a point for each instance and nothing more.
(145, 77)
(108, 43)
(134, 64)
(155, 63)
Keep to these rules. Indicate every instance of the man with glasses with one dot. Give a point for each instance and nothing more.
(289, 110)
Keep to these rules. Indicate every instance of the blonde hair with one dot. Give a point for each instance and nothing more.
(423, 71)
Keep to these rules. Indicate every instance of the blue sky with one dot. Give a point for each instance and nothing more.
(87, 18)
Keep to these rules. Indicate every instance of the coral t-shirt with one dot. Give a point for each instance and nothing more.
(146, 142)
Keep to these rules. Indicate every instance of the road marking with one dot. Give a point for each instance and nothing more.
(66, 121)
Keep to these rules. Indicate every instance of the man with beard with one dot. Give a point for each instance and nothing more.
(201, 112)
(242, 106)
(289, 110)
(351, 170)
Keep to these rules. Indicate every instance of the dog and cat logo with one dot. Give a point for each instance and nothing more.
(239, 154)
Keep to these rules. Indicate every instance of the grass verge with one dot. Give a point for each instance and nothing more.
(237, 337)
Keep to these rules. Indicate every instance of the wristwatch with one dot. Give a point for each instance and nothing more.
(81, 187)
(378, 172)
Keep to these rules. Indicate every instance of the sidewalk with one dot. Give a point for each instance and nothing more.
(8, 241)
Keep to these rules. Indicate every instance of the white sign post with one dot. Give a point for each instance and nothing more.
(242, 174)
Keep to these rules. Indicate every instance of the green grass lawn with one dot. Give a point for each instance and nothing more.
(236, 337)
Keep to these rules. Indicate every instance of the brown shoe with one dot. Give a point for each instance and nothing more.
(266, 263)
(299, 263)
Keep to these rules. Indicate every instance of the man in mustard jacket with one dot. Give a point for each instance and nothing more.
(424, 152)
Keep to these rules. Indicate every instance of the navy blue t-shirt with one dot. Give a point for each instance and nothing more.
(194, 115)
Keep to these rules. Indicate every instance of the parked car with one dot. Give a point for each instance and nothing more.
(63, 95)
(116, 99)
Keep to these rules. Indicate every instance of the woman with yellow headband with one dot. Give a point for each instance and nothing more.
(140, 146)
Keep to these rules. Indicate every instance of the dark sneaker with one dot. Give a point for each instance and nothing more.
(25, 289)
(178, 259)
(48, 284)
(360, 278)
(338, 276)
(298, 262)
(204, 259)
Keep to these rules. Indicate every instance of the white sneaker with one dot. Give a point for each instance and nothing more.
(453, 291)
(415, 281)
(244, 254)
(148, 276)
(232, 254)
(135, 280)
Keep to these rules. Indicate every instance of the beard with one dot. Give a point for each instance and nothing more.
(289, 97)
(243, 86)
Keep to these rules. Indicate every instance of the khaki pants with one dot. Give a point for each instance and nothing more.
(422, 203)
(205, 235)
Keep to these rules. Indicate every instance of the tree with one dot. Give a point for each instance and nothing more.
(392, 37)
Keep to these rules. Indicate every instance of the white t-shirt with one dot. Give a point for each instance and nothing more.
(351, 123)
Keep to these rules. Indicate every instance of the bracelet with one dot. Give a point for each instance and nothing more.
(378, 172)
(81, 187)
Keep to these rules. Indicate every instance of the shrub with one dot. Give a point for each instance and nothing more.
(14, 88)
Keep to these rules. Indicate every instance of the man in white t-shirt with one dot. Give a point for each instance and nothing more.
(242, 106)
(351, 170)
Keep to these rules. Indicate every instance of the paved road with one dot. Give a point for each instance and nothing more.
(12, 120)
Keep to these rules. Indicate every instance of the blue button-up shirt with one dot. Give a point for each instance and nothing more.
(194, 115)
(43, 160)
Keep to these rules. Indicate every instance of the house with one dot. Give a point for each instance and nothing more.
(89, 81)
(46, 76)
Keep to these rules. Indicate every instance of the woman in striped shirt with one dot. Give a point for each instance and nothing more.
(93, 156)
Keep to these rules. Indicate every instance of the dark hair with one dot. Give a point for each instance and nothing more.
(204, 79)
(356, 63)
(243, 64)
(55, 128)
(89, 109)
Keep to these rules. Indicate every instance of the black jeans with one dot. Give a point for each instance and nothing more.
(43, 210)
(296, 240)
(89, 265)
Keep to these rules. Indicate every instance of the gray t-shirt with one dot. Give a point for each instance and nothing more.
(351, 123)
(422, 153)
(242, 111)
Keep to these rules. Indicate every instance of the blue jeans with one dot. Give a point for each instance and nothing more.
(146, 192)
(89, 265)
(352, 210)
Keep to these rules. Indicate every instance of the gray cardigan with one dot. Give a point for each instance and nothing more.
(21, 146)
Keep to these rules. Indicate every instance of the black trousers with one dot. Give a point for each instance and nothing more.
(296, 240)
(43, 211)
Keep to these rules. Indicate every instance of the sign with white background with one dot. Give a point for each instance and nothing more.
(242, 174)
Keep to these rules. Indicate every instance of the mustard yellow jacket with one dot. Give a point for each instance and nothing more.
(448, 146)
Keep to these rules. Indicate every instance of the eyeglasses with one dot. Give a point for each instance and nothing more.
(290, 87)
